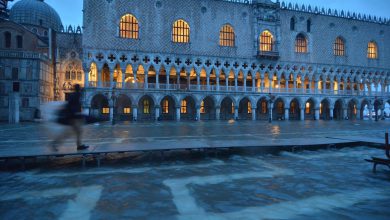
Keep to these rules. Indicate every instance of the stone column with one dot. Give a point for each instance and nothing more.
(135, 113)
(157, 112)
(253, 114)
(99, 77)
(86, 77)
(262, 84)
(123, 77)
(331, 113)
(270, 116)
(345, 113)
(177, 113)
(244, 84)
(295, 85)
(302, 114)
(286, 114)
(167, 72)
(217, 83)
(324, 86)
(146, 81)
(315, 86)
(317, 114)
(208, 82)
(198, 113)
(198, 80)
(112, 78)
(253, 83)
(14, 108)
(358, 114)
(157, 76)
(235, 83)
(235, 113)
(217, 112)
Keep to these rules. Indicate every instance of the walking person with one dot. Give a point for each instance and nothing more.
(71, 116)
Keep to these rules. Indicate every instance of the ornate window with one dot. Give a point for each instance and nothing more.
(128, 27)
(301, 44)
(165, 106)
(372, 52)
(339, 47)
(266, 41)
(292, 24)
(183, 107)
(146, 106)
(180, 32)
(226, 36)
(7, 37)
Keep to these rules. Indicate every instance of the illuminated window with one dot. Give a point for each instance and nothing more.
(126, 110)
(181, 32)
(129, 27)
(106, 110)
(165, 106)
(202, 109)
(321, 110)
(232, 108)
(183, 109)
(339, 47)
(372, 52)
(307, 109)
(301, 44)
(263, 107)
(266, 41)
(146, 107)
(226, 36)
(354, 110)
(249, 108)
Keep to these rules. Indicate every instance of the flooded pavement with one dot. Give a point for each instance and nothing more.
(334, 184)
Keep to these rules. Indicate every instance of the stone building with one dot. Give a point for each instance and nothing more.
(39, 59)
(220, 59)
(208, 59)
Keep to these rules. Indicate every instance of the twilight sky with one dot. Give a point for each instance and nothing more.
(70, 10)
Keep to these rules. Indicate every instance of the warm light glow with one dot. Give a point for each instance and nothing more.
(106, 110)
(226, 36)
(266, 41)
(183, 106)
(202, 109)
(249, 108)
(181, 32)
(126, 110)
(320, 108)
(165, 106)
(146, 106)
(263, 107)
(232, 108)
(128, 27)
(339, 47)
(301, 44)
(307, 107)
(372, 52)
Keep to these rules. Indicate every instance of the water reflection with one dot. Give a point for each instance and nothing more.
(275, 130)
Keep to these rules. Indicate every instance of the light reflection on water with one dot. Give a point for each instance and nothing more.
(275, 130)
(266, 186)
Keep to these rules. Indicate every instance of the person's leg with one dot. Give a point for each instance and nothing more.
(60, 137)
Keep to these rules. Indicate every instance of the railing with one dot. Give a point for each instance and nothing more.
(224, 88)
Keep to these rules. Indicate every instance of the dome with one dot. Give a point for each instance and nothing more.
(37, 13)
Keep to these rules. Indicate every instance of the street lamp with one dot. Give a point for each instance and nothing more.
(270, 101)
(113, 98)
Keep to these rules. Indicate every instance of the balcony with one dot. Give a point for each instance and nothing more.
(270, 55)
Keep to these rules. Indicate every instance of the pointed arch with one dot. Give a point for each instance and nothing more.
(129, 27)
(180, 32)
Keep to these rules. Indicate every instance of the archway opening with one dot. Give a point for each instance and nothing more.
(123, 109)
(207, 109)
(146, 110)
(245, 109)
(309, 110)
(338, 113)
(187, 109)
(295, 111)
(100, 107)
(325, 110)
(227, 109)
(262, 109)
(167, 108)
(278, 110)
(352, 111)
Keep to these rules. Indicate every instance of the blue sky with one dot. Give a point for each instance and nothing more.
(70, 11)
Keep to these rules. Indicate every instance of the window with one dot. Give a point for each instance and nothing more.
(339, 47)
(7, 37)
(165, 107)
(67, 75)
(15, 73)
(372, 52)
(19, 41)
(301, 44)
(226, 36)
(263, 107)
(183, 109)
(181, 32)
(105, 110)
(266, 41)
(146, 107)
(126, 110)
(79, 75)
(232, 108)
(308, 26)
(249, 108)
(292, 24)
(307, 109)
(202, 109)
(25, 102)
(128, 27)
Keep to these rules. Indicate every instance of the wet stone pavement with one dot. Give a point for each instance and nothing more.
(322, 184)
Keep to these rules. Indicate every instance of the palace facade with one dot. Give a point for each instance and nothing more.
(216, 60)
